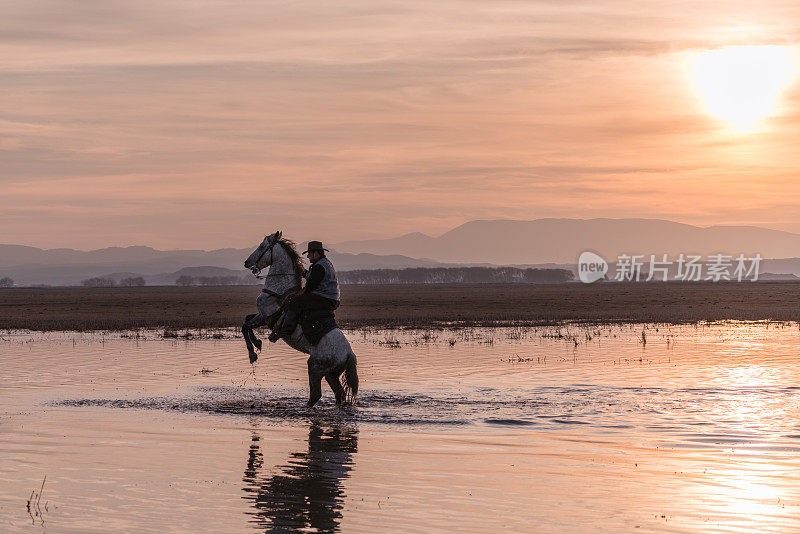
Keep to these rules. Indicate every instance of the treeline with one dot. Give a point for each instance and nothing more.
(415, 275)
(186, 280)
(134, 281)
(457, 275)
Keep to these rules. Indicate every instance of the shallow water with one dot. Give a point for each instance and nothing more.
(609, 429)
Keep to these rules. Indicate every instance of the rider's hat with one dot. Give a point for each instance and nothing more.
(315, 245)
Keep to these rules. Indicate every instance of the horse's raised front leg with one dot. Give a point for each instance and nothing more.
(252, 321)
(333, 381)
(314, 385)
(252, 333)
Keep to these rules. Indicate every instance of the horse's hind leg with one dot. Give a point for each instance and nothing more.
(333, 381)
(314, 386)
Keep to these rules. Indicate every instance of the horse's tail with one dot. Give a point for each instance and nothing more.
(350, 379)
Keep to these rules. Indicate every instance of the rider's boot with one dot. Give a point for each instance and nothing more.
(286, 328)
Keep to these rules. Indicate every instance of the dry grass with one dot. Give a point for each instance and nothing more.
(401, 306)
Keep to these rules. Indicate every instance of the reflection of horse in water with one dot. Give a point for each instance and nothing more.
(306, 493)
(331, 357)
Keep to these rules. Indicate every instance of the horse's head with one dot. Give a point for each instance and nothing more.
(262, 255)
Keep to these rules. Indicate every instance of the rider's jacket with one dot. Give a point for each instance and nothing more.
(329, 285)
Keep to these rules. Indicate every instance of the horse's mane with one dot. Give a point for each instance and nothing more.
(297, 259)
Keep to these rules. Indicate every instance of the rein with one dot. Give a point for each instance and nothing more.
(268, 249)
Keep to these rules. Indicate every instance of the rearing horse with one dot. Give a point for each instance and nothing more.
(331, 358)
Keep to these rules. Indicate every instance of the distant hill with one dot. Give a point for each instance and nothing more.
(511, 242)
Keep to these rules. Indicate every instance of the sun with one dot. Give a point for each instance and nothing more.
(742, 85)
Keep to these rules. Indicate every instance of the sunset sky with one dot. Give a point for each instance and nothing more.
(205, 124)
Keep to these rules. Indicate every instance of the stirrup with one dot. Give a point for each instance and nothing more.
(274, 336)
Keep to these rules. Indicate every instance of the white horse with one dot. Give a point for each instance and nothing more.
(331, 358)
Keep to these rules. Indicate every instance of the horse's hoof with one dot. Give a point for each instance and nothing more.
(257, 344)
(253, 357)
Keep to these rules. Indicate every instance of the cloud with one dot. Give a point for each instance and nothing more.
(184, 123)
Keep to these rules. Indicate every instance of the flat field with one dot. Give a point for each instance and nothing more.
(399, 306)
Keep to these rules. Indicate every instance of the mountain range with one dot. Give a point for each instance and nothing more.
(561, 241)
(536, 243)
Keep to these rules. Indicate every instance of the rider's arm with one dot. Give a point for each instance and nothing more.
(314, 278)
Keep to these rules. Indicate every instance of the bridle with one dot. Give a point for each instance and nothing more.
(257, 272)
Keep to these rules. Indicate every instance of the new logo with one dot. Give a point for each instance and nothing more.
(591, 267)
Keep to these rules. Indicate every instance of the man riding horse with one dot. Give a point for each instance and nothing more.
(330, 355)
(321, 292)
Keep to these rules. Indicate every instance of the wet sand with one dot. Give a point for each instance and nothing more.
(615, 428)
(404, 305)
